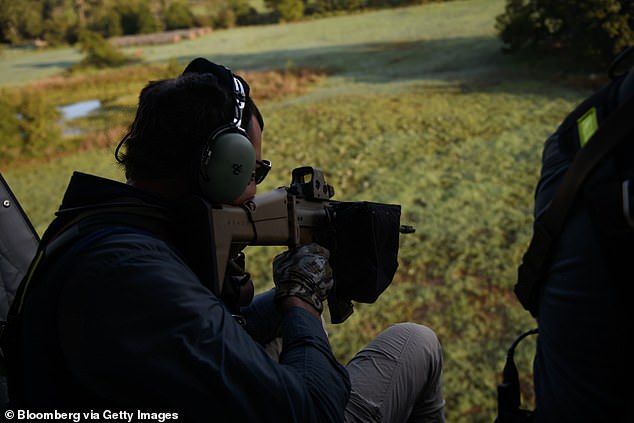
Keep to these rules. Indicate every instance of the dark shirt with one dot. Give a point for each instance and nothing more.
(120, 321)
(581, 362)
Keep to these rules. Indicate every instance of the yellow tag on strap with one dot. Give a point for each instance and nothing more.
(587, 125)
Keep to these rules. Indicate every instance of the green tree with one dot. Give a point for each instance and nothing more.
(245, 13)
(61, 22)
(589, 31)
(225, 18)
(289, 10)
(105, 21)
(178, 15)
(29, 20)
(8, 22)
(136, 17)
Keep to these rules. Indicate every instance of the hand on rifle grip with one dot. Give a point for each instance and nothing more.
(304, 272)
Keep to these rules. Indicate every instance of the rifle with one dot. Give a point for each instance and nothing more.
(363, 237)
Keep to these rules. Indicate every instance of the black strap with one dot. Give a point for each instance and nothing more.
(547, 229)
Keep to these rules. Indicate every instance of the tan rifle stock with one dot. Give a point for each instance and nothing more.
(273, 218)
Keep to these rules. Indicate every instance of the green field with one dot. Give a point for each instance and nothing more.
(420, 108)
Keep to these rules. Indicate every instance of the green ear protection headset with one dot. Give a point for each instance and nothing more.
(227, 163)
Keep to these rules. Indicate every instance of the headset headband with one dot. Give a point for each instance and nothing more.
(239, 89)
(240, 98)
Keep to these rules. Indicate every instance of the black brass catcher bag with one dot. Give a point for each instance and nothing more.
(362, 236)
(365, 257)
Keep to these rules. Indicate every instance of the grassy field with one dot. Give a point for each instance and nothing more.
(418, 107)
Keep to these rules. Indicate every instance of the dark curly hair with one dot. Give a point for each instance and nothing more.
(174, 119)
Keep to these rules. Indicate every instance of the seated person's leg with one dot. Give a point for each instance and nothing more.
(397, 377)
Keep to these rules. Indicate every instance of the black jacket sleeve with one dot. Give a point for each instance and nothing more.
(138, 328)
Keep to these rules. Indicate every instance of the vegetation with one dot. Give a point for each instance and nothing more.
(586, 32)
(55, 22)
(179, 16)
(416, 106)
(100, 53)
(30, 129)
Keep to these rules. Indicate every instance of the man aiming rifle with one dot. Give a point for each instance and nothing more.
(121, 309)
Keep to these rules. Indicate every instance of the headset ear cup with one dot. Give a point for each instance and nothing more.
(227, 167)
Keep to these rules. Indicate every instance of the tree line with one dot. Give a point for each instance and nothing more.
(63, 21)
(588, 31)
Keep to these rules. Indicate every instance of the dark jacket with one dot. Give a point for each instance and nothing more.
(120, 321)
(583, 365)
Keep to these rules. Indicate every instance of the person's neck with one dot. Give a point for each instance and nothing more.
(168, 188)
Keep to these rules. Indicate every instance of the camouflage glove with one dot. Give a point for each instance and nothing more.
(304, 272)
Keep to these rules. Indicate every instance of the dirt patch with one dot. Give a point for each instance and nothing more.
(277, 84)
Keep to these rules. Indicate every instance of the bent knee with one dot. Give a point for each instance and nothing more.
(419, 335)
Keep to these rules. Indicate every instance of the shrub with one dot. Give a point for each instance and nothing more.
(588, 31)
(99, 52)
(29, 125)
(11, 145)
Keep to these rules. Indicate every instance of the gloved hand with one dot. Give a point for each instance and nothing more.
(304, 272)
